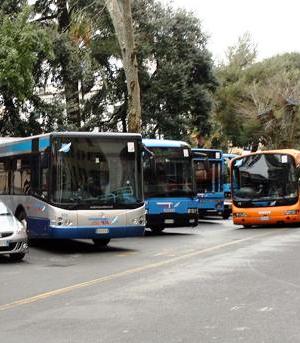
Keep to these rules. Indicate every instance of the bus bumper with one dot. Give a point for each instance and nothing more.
(72, 232)
(265, 220)
(171, 220)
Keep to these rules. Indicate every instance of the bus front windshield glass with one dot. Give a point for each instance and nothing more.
(168, 173)
(91, 173)
(265, 179)
(208, 176)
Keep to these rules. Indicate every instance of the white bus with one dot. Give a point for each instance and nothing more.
(75, 184)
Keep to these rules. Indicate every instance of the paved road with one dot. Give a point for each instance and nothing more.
(213, 283)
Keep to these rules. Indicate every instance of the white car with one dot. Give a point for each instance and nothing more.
(13, 236)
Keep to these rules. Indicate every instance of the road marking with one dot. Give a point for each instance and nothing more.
(118, 275)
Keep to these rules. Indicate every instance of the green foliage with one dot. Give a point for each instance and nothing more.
(259, 101)
(176, 71)
(21, 45)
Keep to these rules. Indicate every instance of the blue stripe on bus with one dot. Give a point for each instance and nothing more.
(44, 143)
(41, 228)
(16, 148)
(166, 143)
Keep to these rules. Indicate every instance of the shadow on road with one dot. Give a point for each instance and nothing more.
(268, 227)
(74, 246)
(209, 221)
(166, 234)
(4, 259)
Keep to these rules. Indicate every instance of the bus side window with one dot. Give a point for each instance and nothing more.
(4, 176)
(21, 175)
(40, 167)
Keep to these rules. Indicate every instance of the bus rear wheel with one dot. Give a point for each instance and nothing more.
(101, 242)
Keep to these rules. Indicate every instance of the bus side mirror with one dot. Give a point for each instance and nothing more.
(147, 153)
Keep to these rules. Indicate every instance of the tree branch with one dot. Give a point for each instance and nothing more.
(53, 16)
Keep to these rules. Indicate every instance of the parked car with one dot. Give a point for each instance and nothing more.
(13, 236)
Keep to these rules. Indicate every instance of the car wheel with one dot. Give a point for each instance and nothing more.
(100, 243)
(17, 256)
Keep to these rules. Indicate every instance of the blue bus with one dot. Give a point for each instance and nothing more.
(226, 176)
(227, 185)
(169, 185)
(209, 182)
(75, 184)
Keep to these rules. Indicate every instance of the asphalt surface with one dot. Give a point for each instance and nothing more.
(212, 283)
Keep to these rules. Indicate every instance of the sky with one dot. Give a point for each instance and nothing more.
(274, 25)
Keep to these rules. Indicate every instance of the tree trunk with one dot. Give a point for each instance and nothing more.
(120, 13)
(70, 84)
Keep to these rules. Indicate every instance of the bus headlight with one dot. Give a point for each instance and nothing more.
(291, 212)
(240, 214)
(61, 221)
(139, 221)
(192, 210)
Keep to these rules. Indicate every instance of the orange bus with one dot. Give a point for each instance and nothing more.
(265, 188)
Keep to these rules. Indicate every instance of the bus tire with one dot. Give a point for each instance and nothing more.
(157, 229)
(226, 214)
(247, 226)
(101, 242)
(17, 256)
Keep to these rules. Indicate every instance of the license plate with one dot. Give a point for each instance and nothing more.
(102, 231)
(169, 221)
(4, 244)
(169, 210)
(264, 218)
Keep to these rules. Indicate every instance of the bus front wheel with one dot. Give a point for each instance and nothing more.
(17, 256)
(226, 214)
(156, 229)
(101, 242)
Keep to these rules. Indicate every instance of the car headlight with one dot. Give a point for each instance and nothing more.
(20, 228)
(240, 214)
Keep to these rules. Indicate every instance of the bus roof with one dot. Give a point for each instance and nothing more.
(292, 152)
(230, 155)
(164, 143)
(212, 154)
(208, 150)
(7, 140)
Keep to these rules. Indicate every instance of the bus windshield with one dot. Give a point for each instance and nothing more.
(208, 177)
(91, 173)
(168, 172)
(264, 180)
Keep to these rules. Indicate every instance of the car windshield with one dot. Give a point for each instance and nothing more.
(265, 177)
(168, 172)
(208, 176)
(92, 172)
